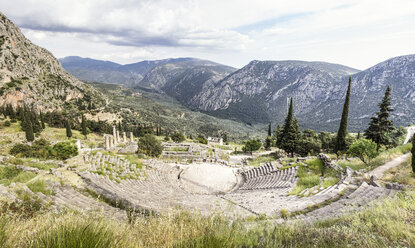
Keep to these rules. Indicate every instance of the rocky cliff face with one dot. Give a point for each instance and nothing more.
(259, 92)
(186, 79)
(368, 88)
(31, 75)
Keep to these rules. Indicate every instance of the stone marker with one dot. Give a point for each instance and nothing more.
(78, 144)
(124, 137)
(111, 141)
(107, 142)
(131, 137)
(114, 135)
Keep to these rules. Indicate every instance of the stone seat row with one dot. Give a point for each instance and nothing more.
(68, 198)
(275, 179)
(363, 196)
(258, 171)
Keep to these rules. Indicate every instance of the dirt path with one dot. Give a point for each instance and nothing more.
(379, 171)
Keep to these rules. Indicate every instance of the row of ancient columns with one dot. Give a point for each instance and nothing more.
(114, 139)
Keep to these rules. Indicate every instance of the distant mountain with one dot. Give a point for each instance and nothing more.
(92, 70)
(185, 79)
(259, 92)
(368, 88)
(31, 75)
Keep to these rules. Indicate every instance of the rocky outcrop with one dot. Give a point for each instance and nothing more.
(31, 75)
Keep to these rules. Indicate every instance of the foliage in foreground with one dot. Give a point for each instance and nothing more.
(389, 224)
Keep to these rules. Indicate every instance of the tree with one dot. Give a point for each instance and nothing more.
(149, 145)
(29, 131)
(413, 154)
(380, 125)
(68, 129)
(291, 132)
(83, 125)
(201, 139)
(225, 138)
(42, 121)
(252, 145)
(268, 140)
(342, 133)
(178, 137)
(364, 149)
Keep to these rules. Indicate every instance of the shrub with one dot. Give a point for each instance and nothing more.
(201, 139)
(364, 149)
(21, 150)
(178, 137)
(149, 145)
(64, 150)
(7, 123)
(252, 145)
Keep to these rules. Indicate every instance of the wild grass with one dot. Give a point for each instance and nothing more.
(259, 160)
(10, 174)
(401, 174)
(389, 224)
(384, 157)
(311, 175)
(39, 185)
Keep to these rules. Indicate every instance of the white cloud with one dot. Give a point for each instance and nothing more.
(355, 33)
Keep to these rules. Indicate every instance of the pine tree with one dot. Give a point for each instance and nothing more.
(380, 125)
(290, 133)
(68, 129)
(29, 131)
(342, 133)
(413, 154)
(83, 125)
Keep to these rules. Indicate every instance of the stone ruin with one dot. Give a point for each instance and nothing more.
(111, 141)
(196, 152)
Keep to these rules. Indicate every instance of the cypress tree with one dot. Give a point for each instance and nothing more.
(268, 139)
(68, 129)
(83, 125)
(342, 133)
(119, 126)
(358, 135)
(380, 125)
(29, 131)
(42, 121)
(413, 154)
(290, 133)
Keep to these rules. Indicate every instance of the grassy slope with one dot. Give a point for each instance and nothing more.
(160, 109)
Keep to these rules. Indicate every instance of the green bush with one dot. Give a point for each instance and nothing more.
(149, 145)
(7, 123)
(252, 145)
(64, 150)
(21, 150)
(178, 137)
(364, 149)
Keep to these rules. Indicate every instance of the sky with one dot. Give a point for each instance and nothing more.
(356, 33)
